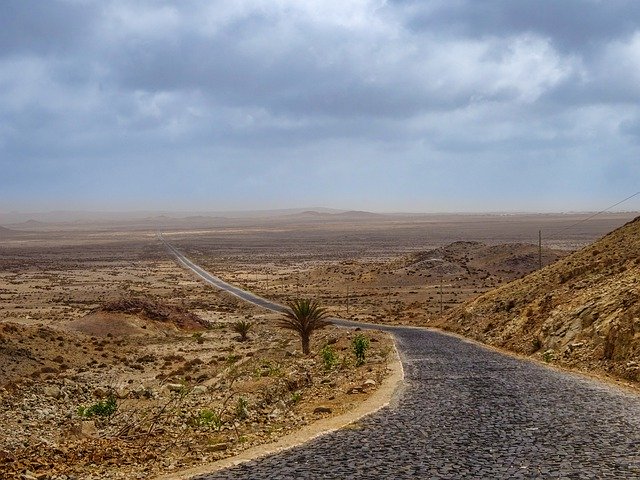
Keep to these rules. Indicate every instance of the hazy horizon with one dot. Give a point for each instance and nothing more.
(64, 216)
(384, 106)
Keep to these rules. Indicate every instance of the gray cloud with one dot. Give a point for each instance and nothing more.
(246, 91)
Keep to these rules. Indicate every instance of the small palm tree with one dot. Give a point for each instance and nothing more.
(304, 316)
(242, 328)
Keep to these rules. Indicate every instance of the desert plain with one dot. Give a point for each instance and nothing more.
(95, 314)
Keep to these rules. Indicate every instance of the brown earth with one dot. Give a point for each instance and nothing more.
(90, 310)
(87, 315)
(183, 397)
(582, 311)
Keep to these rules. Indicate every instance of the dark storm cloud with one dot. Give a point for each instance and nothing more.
(40, 28)
(251, 94)
(573, 25)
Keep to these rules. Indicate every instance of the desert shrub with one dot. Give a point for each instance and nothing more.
(536, 344)
(268, 369)
(360, 346)
(242, 408)
(197, 336)
(209, 418)
(329, 357)
(242, 327)
(105, 408)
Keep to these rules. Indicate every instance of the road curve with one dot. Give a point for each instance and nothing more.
(468, 412)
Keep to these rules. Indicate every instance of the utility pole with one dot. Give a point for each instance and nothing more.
(441, 307)
(347, 301)
(539, 249)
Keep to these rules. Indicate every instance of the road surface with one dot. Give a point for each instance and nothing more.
(467, 412)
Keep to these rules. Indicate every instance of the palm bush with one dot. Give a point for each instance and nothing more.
(242, 327)
(304, 316)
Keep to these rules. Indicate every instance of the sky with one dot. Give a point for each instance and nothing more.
(412, 106)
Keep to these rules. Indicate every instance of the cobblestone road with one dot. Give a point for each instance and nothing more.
(468, 412)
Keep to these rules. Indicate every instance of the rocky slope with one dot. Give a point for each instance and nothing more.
(506, 261)
(130, 390)
(582, 311)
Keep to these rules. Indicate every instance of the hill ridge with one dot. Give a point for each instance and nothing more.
(582, 311)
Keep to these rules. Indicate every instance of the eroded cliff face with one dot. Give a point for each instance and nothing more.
(582, 311)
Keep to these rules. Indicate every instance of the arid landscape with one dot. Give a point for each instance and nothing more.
(98, 316)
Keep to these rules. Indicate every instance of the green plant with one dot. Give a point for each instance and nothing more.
(329, 357)
(360, 346)
(304, 316)
(209, 418)
(197, 336)
(231, 359)
(296, 397)
(536, 344)
(548, 356)
(268, 369)
(242, 408)
(104, 408)
(242, 327)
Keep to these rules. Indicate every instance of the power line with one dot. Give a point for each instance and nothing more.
(594, 215)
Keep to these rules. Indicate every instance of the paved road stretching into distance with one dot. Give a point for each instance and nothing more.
(467, 412)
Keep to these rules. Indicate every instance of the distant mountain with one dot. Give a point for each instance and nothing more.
(29, 225)
(7, 232)
(582, 311)
(359, 214)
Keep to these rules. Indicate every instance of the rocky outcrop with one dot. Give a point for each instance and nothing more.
(582, 311)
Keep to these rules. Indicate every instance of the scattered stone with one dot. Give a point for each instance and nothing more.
(88, 429)
(217, 447)
(322, 409)
(52, 391)
(174, 387)
(199, 390)
(100, 393)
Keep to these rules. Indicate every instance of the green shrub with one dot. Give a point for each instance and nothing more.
(242, 327)
(329, 357)
(105, 408)
(296, 397)
(360, 346)
(268, 369)
(209, 418)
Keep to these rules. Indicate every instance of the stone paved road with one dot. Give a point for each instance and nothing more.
(469, 412)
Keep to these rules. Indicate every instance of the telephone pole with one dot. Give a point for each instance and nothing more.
(347, 301)
(539, 249)
(441, 308)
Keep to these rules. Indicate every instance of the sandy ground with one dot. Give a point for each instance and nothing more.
(202, 392)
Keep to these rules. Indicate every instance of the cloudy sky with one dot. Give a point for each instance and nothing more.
(426, 105)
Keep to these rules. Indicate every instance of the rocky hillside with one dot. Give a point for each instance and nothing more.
(582, 311)
(507, 261)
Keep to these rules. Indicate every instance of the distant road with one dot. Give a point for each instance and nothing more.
(466, 412)
(221, 284)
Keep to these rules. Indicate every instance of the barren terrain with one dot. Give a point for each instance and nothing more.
(98, 313)
(92, 319)
(582, 312)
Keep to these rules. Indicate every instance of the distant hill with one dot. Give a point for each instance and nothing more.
(507, 261)
(6, 232)
(583, 311)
